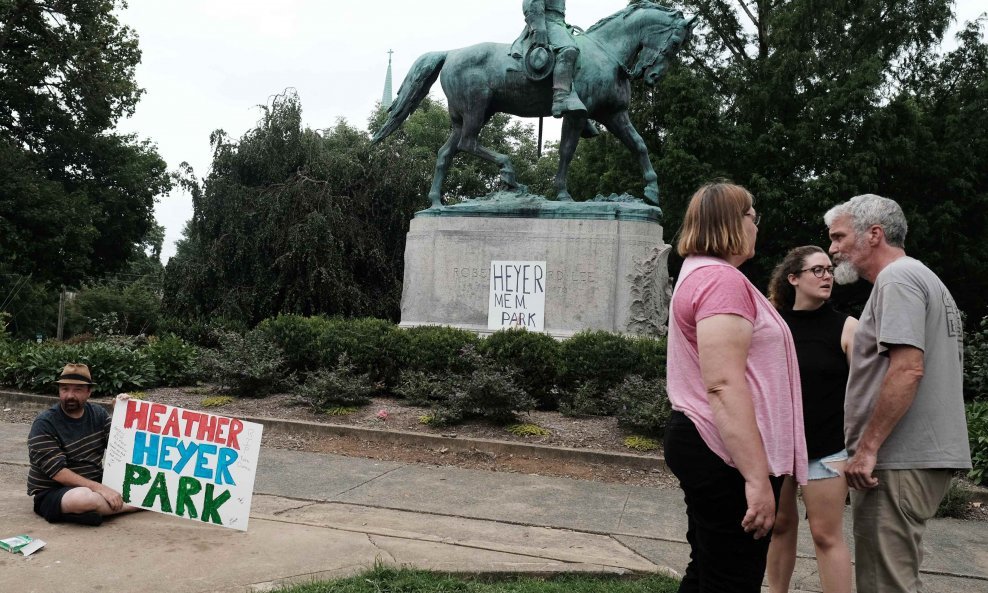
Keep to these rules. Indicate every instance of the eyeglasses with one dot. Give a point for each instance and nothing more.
(755, 217)
(819, 271)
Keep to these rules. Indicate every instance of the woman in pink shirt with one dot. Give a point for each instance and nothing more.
(733, 380)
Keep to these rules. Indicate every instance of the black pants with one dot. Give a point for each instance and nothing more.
(723, 558)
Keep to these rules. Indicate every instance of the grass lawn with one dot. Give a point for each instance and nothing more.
(392, 580)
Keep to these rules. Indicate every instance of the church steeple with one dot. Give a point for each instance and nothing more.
(386, 98)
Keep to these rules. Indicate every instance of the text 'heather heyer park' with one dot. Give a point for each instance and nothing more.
(190, 464)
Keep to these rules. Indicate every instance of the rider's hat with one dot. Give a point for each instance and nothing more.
(539, 62)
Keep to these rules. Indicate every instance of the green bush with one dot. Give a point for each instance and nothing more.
(640, 443)
(34, 367)
(491, 391)
(528, 429)
(424, 389)
(216, 401)
(651, 360)
(247, 365)
(375, 347)
(437, 349)
(977, 432)
(176, 362)
(536, 357)
(976, 363)
(299, 339)
(642, 404)
(341, 387)
(115, 367)
(585, 399)
(204, 333)
(598, 356)
(114, 310)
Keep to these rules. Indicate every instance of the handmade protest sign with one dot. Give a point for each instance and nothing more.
(174, 461)
(517, 296)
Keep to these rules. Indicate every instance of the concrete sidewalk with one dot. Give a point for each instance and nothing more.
(319, 516)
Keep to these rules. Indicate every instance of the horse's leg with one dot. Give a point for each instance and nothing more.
(469, 143)
(620, 125)
(573, 125)
(443, 160)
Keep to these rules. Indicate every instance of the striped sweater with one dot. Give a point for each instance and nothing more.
(57, 441)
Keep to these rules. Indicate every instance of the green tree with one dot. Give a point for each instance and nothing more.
(293, 220)
(76, 198)
(809, 104)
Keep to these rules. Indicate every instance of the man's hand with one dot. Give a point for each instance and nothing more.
(121, 397)
(540, 37)
(858, 471)
(761, 508)
(111, 496)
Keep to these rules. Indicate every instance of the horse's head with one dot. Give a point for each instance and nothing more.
(667, 36)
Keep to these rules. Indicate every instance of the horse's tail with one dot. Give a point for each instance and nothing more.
(413, 89)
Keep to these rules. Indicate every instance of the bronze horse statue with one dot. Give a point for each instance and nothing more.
(481, 80)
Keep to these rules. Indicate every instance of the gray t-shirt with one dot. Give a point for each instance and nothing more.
(910, 306)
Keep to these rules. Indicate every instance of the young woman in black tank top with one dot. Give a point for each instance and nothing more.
(799, 289)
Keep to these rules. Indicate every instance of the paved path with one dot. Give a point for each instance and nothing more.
(323, 516)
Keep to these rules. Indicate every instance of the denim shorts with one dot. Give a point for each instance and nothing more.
(819, 470)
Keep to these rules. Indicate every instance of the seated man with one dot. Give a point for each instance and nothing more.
(66, 447)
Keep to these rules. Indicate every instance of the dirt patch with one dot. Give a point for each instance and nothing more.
(597, 434)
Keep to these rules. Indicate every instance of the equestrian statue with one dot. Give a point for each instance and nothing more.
(551, 69)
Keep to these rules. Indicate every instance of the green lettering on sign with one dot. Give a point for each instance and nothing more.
(211, 506)
(134, 475)
(159, 489)
(187, 487)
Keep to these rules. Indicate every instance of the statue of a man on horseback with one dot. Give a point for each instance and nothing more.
(637, 42)
(547, 31)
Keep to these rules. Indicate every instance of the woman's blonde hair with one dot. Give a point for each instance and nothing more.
(713, 223)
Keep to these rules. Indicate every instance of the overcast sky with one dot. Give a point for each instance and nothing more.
(206, 65)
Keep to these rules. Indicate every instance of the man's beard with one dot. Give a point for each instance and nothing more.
(845, 272)
(71, 405)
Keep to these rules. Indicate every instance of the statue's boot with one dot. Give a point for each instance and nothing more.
(564, 98)
(589, 130)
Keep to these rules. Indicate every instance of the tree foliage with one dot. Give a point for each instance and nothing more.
(294, 220)
(808, 105)
(76, 198)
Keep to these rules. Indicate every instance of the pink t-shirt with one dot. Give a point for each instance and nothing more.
(709, 286)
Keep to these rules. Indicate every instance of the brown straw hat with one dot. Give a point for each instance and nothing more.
(75, 374)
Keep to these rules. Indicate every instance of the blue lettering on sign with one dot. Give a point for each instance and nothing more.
(169, 453)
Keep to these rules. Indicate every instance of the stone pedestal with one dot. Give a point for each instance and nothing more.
(606, 264)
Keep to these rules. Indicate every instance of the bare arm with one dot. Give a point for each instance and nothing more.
(847, 337)
(723, 342)
(898, 392)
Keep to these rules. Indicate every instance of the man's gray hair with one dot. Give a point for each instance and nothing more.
(868, 210)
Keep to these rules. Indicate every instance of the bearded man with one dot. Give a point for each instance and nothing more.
(904, 422)
(66, 446)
